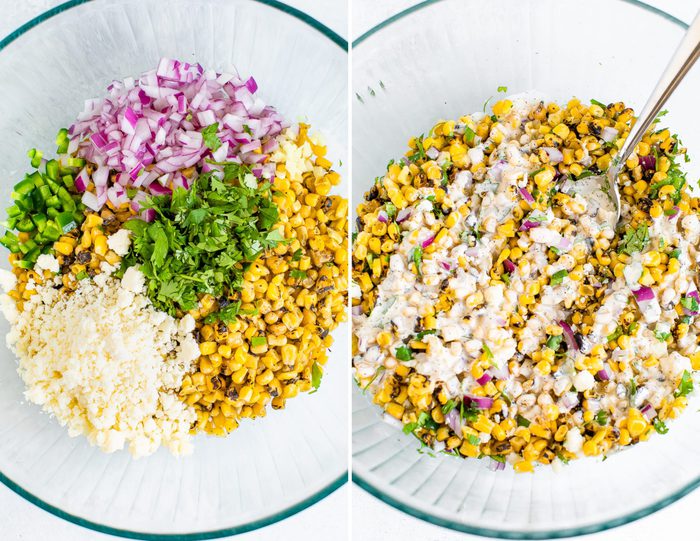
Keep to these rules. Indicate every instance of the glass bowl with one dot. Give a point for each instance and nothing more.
(267, 469)
(443, 59)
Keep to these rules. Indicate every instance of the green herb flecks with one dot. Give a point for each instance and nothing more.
(202, 239)
(635, 240)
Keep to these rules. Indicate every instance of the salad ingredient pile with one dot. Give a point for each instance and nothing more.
(178, 266)
(496, 312)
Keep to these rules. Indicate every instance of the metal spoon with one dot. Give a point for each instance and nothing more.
(685, 56)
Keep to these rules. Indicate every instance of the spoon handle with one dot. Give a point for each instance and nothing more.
(685, 56)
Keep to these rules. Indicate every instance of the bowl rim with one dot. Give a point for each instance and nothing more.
(366, 484)
(211, 534)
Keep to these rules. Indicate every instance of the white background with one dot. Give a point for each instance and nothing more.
(20, 520)
(372, 520)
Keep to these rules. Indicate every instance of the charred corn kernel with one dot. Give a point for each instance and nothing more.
(523, 466)
(394, 409)
(636, 423)
(100, 245)
(207, 348)
(63, 248)
(484, 424)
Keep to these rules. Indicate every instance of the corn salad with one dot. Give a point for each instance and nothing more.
(495, 311)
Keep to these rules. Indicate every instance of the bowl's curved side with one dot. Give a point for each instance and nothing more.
(267, 470)
(440, 59)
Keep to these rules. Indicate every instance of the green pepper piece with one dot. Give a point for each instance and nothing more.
(52, 212)
(68, 181)
(62, 141)
(52, 231)
(10, 223)
(66, 222)
(52, 169)
(23, 264)
(23, 188)
(13, 211)
(53, 202)
(45, 192)
(75, 162)
(25, 225)
(10, 241)
(39, 221)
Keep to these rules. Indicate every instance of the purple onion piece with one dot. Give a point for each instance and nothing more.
(483, 380)
(527, 196)
(403, 215)
(481, 402)
(508, 265)
(529, 224)
(569, 336)
(644, 293)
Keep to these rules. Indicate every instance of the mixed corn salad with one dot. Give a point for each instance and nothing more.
(496, 313)
(212, 220)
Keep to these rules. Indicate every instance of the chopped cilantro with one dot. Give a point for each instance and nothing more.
(473, 440)
(561, 457)
(81, 275)
(202, 238)
(690, 303)
(553, 342)
(601, 417)
(662, 336)
(211, 140)
(635, 240)
(503, 89)
(619, 331)
(632, 390)
(469, 134)
(487, 351)
(390, 209)
(558, 277)
(660, 426)
(404, 353)
(674, 253)
(374, 377)
(522, 421)
(449, 406)
(296, 256)
(316, 376)
(469, 413)
(685, 387)
(599, 104)
(297, 274)
(423, 334)
(417, 258)
(506, 278)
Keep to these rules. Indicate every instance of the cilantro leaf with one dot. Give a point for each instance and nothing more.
(635, 240)
(417, 258)
(660, 426)
(558, 277)
(685, 387)
(601, 417)
(211, 140)
(404, 353)
(316, 376)
(690, 303)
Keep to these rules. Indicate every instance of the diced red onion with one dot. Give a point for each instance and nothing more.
(445, 265)
(483, 380)
(527, 196)
(481, 402)
(555, 155)
(82, 181)
(403, 215)
(529, 224)
(382, 216)
(695, 295)
(569, 336)
(156, 120)
(644, 293)
(453, 420)
(357, 310)
(648, 162)
(148, 215)
(90, 200)
(649, 412)
(427, 242)
(602, 374)
(496, 465)
(508, 265)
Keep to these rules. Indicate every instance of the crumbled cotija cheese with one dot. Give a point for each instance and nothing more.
(107, 364)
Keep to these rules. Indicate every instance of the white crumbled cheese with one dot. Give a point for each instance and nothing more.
(7, 280)
(107, 365)
(583, 381)
(47, 262)
(120, 242)
(574, 441)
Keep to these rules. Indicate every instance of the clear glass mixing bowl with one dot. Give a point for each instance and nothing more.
(443, 59)
(270, 468)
